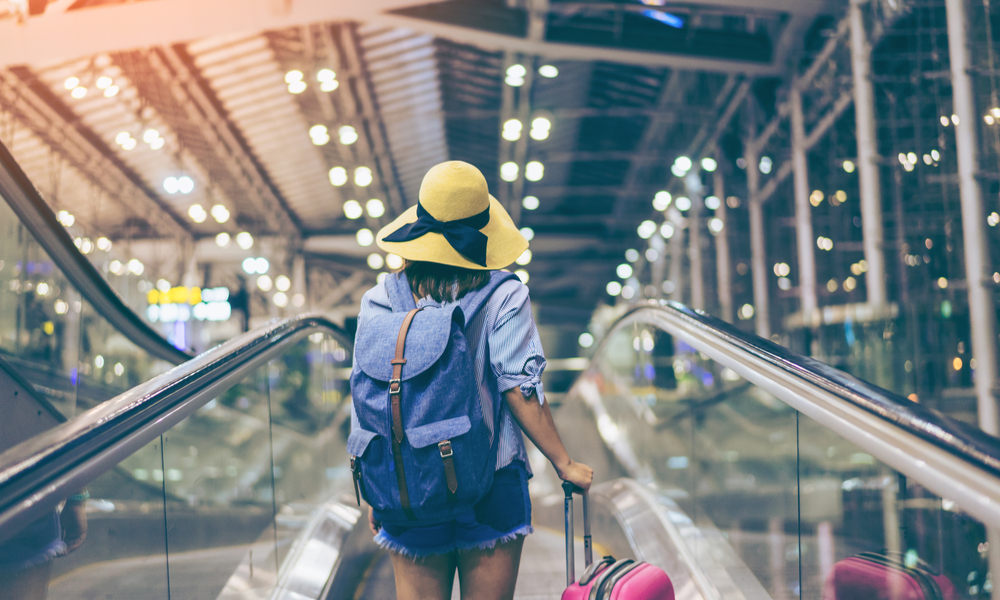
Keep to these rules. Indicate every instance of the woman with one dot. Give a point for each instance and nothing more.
(451, 242)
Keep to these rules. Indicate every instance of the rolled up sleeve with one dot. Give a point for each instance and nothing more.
(515, 348)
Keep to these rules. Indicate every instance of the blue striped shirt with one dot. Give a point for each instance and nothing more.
(503, 334)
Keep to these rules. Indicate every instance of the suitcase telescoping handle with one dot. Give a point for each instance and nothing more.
(588, 552)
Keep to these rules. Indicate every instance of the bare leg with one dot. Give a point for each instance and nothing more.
(490, 574)
(428, 578)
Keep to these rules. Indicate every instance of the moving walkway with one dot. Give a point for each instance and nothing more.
(742, 469)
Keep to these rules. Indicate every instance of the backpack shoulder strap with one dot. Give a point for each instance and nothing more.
(400, 296)
(475, 300)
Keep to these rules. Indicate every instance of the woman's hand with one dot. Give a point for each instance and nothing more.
(372, 523)
(576, 473)
(73, 522)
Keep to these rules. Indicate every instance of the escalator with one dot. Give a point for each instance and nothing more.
(742, 469)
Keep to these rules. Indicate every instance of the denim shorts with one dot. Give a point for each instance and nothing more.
(502, 515)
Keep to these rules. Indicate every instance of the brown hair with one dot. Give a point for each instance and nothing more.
(443, 283)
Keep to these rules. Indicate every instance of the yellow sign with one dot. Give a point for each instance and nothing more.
(176, 295)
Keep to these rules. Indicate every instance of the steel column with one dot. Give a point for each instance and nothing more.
(982, 311)
(869, 179)
(723, 268)
(694, 189)
(676, 254)
(803, 216)
(758, 252)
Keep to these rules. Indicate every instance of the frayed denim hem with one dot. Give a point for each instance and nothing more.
(382, 539)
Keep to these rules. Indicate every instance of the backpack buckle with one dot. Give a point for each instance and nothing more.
(445, 448)
(397, 383)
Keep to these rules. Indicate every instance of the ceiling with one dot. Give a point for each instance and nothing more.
(638, 84)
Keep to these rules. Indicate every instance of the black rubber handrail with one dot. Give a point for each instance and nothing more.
(960, 439)
(41, 472)
(37, 216)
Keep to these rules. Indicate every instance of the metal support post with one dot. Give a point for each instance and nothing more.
(299, 281)
(758, 252)
(982, 311)
(657, 267)
(869, 179)
(692, 182)
(723, 268)
(803, 216)
(676, 253)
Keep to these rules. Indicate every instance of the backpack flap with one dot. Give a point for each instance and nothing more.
(376, 344)
(432, 433)
(358, 441)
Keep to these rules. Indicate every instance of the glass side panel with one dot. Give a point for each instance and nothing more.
(195, 517)
(121, 553)
(51, 337)
(217, 472)
(775, 495)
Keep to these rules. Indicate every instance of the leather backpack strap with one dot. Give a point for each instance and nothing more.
(395, 399)
(447, 455)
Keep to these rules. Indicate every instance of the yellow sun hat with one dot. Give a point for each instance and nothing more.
(455, 222)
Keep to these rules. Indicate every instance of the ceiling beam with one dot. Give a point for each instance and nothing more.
(128, 26)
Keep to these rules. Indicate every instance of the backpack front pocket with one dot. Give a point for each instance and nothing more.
(439, 451)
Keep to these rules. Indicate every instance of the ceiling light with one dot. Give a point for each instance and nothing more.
(220, 213)
(325, 75)
(716, 225)
(365, 237)
(348, 135)
(104, 244)
(352, 209)
(155, 144)
(197, 213)
(524, 259)
(522, 275)
(765, 164)
(394, 261)
(185, 184)
(297, 87)
(375, 208)
(250, 266)
(111, 91)
(530, 202)
(683, 163)
(712, 203)
(528, 233)
(222, 240)
(129, 144)
(848, 166)
(293, 76)
(511, 135)
(71, 83)
(709, 164)
(516, 71)
(631, 255)
(170, 185)
(624, 270)
(514, 81)
(513, 124)
(614, 288)
(121, 137)
(282, 283)
(683, 203)
(329, 86)
(244, 240)
(298, 299)
(136, 267)
(539, 134)
(652, 254)
(534, 171)
(338, 176)
(362, 176)
(280, 300)
(548, 71)
(508, 171)
(79, 92)
(103, 83)
(661, 201)
(150, 136)
(375, 261)
(264, 283)
(262, 265)
(667, 230)
(647, 229)
(66, 218)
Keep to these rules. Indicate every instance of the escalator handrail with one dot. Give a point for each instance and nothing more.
(37, 216)
(41, 472)
(968, 443)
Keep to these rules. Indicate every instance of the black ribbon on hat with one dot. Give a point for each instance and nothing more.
(463, 234)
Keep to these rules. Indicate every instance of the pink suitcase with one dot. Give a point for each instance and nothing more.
(884, 576)
(608, 579)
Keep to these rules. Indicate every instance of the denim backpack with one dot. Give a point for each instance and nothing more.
(420, 448)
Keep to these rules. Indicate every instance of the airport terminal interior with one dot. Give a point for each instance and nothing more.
(764, 262)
